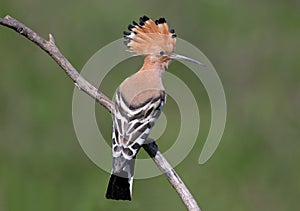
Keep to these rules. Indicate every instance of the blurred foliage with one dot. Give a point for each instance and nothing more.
(254, 46)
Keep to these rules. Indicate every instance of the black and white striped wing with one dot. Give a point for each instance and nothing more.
(131, 125)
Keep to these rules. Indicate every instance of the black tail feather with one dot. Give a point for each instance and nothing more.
(118, 188)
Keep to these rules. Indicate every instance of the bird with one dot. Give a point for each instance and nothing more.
(139, 100)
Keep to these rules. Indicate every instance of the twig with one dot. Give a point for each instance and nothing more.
(53, 51)
(171, 175)
(151, 148)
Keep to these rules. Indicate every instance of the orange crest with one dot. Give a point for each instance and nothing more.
(150, 37)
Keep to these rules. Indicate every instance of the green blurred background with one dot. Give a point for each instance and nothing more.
(254, 46)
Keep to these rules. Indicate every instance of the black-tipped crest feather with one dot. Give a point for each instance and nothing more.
(150, 37)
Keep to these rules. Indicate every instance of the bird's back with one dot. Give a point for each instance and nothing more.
(142, 86)
(138, 104)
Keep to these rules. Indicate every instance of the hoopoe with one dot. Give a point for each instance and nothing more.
(139, 99)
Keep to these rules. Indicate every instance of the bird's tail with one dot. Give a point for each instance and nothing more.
(120, 182)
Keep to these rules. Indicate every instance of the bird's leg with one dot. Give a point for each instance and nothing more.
(151, 147)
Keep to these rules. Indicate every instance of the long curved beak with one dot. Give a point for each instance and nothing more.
(180, 57)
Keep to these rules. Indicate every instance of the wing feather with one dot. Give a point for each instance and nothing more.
(132, 125)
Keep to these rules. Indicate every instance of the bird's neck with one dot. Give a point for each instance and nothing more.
(154, 63)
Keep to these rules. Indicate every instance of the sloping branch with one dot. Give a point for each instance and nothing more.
(151, 148)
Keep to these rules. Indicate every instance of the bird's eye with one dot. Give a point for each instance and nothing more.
(161, 53)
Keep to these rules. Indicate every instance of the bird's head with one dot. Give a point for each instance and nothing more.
(153, 39)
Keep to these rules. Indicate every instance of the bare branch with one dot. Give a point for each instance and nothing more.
(151, 148)
(53, 51)
(171, 175)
